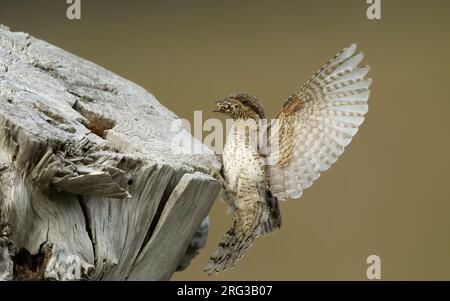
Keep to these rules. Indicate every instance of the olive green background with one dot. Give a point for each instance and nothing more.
(387, 195)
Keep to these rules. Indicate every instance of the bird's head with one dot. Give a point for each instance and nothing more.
(241, 106)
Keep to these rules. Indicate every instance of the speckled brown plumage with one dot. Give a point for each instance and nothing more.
(310, 133)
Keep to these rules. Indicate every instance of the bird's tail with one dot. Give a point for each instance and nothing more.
(230, 250)
(237, 240)
(263, 219)
(273, 215)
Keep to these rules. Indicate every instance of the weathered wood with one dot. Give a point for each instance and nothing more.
(89, 185)
(156, 258)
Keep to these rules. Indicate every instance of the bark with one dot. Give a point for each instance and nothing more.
(90, 187)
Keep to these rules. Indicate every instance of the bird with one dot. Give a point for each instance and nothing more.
(264, 162)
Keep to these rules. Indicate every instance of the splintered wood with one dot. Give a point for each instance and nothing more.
(89, 186)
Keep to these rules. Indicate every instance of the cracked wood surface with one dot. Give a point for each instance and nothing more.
(89, 185)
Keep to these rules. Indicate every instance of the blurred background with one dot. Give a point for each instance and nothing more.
(387, 195)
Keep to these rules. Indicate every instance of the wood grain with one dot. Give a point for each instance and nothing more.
(90, 187)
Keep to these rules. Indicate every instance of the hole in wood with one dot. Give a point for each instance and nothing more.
(31, 267)
(95, 122)
(54, 116)
(70, 130)
(130, 182)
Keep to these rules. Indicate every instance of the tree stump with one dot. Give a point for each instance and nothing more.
(90, 188)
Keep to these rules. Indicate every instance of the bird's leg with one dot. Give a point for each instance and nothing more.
(216, 173)
(228, 194)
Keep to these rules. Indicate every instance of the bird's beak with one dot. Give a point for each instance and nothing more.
(219, 106)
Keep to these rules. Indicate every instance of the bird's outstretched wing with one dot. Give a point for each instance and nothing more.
(317, 123)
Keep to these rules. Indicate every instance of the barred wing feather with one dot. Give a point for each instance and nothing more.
(317, 123)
